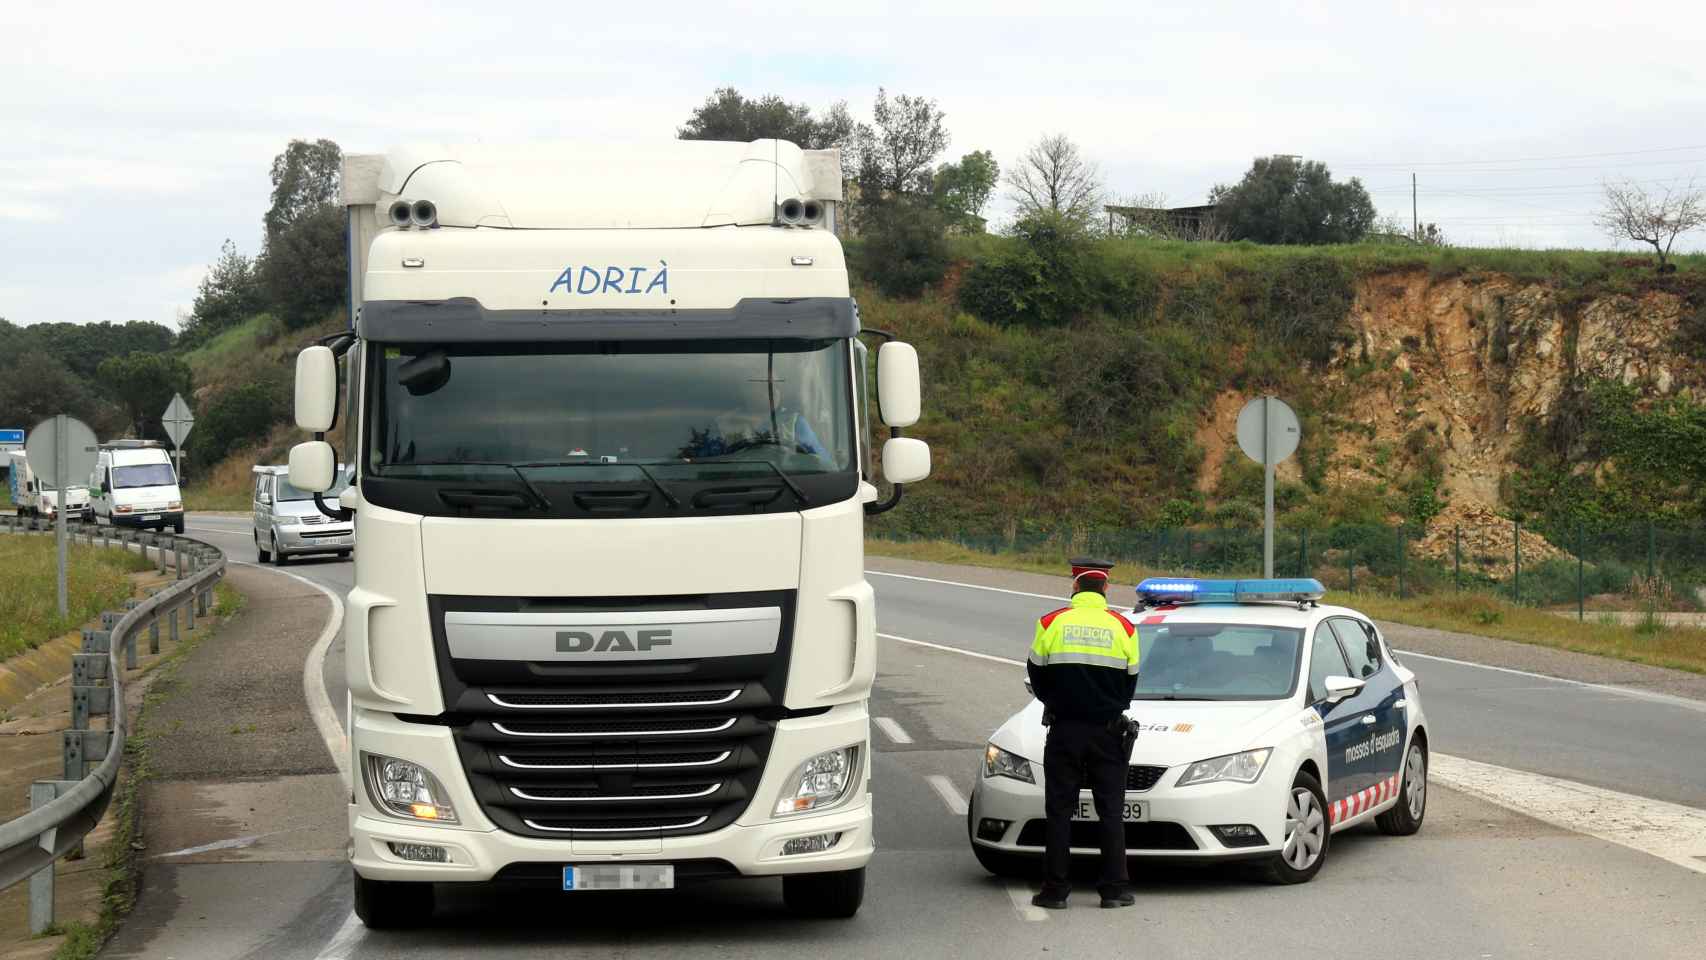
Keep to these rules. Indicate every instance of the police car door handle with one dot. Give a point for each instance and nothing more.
(1367, 719)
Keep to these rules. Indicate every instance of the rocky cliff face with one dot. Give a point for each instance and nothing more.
(1451, 369)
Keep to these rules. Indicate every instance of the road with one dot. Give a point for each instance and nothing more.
(1478, 881)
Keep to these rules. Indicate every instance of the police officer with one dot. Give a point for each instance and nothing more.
(1083, 667)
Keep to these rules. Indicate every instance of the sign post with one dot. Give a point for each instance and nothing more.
(1268, 432)
(59, 450)
(177, 420)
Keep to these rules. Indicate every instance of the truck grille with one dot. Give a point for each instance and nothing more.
(613, 751)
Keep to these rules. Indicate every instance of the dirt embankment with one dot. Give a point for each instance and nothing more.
(1452, 369)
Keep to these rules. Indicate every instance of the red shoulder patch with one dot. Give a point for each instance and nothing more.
(1129, 629)
(1048, 618)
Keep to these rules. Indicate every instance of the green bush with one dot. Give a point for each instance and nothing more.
(903, 247)
(238, 416)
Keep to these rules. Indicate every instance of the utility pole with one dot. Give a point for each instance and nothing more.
(1415, 221)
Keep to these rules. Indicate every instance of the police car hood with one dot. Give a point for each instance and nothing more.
(1174, 731)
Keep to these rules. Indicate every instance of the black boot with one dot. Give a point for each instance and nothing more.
(1049, 901)
(1117, 899)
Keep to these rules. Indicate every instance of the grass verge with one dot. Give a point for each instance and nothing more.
(29, 607)
(122, 856)
(1480, 614)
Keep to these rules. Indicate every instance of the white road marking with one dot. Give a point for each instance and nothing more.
(342, 942)
(958, 650)
(231, 844)
(314, 677)
(1668, 831)
(1633, 692)
(972, 586)
(892, 729)
(1020, 894)
(1638, 694)
(949, 793)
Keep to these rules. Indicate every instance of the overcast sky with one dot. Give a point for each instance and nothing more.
(137, 136)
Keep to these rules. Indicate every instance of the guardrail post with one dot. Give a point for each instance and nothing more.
(41, 882)
(174, 626)
(154, 629)
(178, 558)
(159, 552)
(189, 612)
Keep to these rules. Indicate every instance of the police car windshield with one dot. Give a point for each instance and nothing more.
(1217, 661)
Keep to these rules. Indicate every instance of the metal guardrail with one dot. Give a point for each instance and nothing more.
(64, 811)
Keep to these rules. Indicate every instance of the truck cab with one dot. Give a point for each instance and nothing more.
(134, 485)
(610, 627)
(34, 497)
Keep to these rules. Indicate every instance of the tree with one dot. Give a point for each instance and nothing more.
(1631, 213)
(895, 152)
(961, 190)
(35, 385)
(1054, 178)
(229, 294)
(304, 179)
(144, 383)
(236, 417)
(728, 115)
(306, 268)
(1285, 200)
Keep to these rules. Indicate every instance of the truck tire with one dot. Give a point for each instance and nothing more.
(391, 905)
(826, 895)
(178, 526)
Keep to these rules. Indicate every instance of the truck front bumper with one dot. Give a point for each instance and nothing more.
(152, 518)
(477, 851)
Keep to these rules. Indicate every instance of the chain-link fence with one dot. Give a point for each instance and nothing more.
(1633, 568)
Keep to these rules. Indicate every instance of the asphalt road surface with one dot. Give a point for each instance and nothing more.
(1479, 881)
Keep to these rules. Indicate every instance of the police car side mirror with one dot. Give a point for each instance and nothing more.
(1338, 688)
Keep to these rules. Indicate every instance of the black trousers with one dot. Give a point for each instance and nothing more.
(1091, 748)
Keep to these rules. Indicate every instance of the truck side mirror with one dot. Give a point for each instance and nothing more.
(312, 464)
(316, 396)
(905, 460)
(898, 391)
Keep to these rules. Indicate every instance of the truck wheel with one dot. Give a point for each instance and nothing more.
(1307, 834)
(1406, 815)
(829, 895)
(178, 526)
(390, 904)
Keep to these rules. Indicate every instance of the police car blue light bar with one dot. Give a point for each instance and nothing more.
(1163, 590)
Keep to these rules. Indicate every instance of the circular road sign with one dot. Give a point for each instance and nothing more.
(81, 449)
(1268, 422)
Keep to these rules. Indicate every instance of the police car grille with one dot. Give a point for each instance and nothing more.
(1142, 777)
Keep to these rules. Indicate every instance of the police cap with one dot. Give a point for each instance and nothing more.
(1083, 567)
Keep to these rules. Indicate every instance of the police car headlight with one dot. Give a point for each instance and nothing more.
(999, 763)
(820, 783)
(406, 789)
(1235, 767)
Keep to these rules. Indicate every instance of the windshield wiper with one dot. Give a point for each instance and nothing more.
(543, 503)
(668, 497)
(799, 494)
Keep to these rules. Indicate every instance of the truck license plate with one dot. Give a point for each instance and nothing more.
(152, 516)
(1131, 811)
(642, 876)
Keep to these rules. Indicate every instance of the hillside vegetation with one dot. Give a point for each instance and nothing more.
(1556, 385)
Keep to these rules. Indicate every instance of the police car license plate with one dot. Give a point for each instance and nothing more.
(1131, 811)
(642, 876)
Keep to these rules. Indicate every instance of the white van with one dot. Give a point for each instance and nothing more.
(134, 485)
(35, 497)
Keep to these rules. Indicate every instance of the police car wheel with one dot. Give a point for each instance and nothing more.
(391, 905)
(1406, 815)
(1307, 834)
(827, 895)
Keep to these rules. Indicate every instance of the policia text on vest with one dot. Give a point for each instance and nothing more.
(1083, 667)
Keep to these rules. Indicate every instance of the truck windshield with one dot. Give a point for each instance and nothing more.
(1216, 661)
(633, 412)
(143, 475)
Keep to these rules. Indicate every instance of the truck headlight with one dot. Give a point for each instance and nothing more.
(820, 783)
(1235, 767)
(175, 506)
(407, 789)
(999, 763)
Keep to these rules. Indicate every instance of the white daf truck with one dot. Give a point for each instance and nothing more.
(610, 627)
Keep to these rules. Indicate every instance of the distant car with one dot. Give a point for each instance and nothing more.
(1269, 723)
(289, 524)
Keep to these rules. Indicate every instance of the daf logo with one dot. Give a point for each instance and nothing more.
(580, 641)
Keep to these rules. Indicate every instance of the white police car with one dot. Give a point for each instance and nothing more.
(1269, 723)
